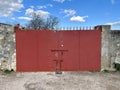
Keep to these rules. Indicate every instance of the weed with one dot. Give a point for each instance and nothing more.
(7, 71)
(117, 66)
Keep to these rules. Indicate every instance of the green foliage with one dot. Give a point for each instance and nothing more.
(117, 66)
(7, 71)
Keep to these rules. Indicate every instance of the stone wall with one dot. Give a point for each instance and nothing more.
(115, 47)
(110, 47)
(7, 47)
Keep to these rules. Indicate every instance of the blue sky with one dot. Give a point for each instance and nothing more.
(71, 13)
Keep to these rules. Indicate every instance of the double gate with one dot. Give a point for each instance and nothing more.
(48, 50)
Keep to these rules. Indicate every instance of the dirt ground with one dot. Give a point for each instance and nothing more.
(65, 81)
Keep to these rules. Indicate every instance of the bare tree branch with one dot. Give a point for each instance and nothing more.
(39, 23)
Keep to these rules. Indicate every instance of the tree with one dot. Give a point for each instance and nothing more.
(39, 23)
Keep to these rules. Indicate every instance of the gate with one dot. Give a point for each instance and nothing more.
(48, 50)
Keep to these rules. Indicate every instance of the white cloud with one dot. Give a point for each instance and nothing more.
(113, 1)
(42, 13)
(114, 23)
(29, 11)
(25, 18)
(8, 7)
(45, 6)
(78, 18)
(69, 12)
(13, 18)
(32, 7)
(60, 1)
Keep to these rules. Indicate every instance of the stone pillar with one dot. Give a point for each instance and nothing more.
(7, 47)
(105, 46)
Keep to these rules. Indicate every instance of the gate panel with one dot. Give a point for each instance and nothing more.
(47, 42)
(27, 56)
(90, 43)
(70, 42)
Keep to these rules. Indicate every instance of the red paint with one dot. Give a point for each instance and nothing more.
(52, 50)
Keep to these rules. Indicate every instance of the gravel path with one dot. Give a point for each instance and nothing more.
(65, 81)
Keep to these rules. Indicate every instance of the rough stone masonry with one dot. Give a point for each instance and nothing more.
(115, 47)
(110, 47)
(7, 47)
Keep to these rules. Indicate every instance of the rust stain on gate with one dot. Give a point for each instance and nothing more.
(48, 50)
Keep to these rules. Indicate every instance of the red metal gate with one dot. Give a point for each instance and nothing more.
(58, 50)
